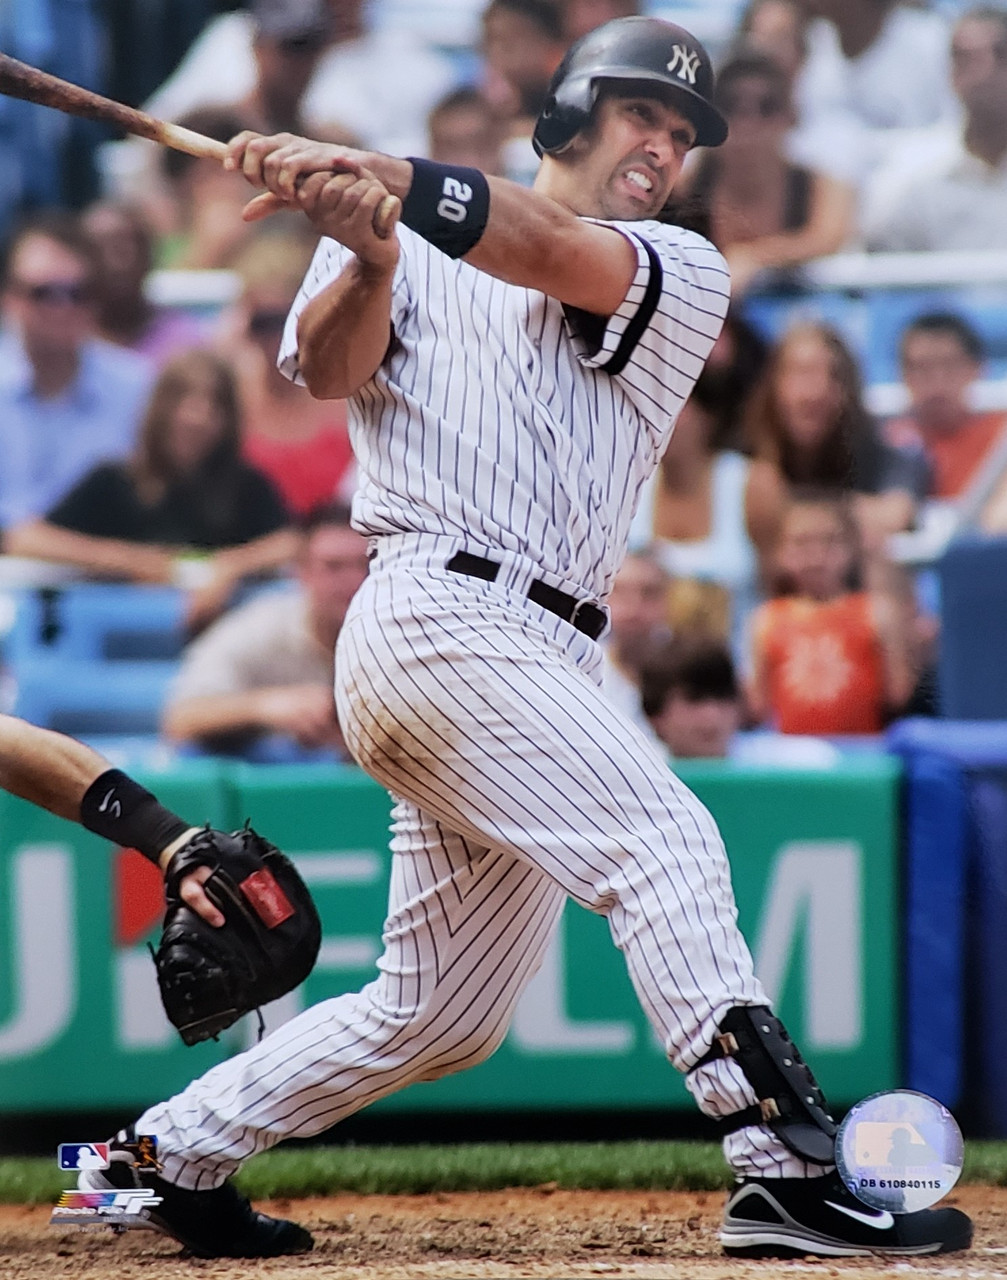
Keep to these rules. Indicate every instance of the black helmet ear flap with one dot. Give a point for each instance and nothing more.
(567, 110)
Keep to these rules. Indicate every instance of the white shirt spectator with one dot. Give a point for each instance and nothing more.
(381, 85)
(938, 196)
(853, 111)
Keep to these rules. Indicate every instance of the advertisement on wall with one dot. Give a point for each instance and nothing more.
(814, 864)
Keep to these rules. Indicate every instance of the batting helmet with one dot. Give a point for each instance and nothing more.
(647, 50)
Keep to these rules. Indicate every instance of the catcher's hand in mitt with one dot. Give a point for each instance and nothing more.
(210, 975)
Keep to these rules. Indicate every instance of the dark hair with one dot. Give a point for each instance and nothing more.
(213, 488)
(463, 99)
(985, 13)
(841, 506)
(749, 65)
(544, 14)
(949, 324)
(323, 514)
(221, 123)
(698, 667)
(744, 26)
(832, 465)
(62, 228)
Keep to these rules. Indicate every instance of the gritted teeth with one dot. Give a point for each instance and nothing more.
(640, 179)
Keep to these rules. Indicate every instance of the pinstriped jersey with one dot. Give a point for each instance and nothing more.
(510, 421)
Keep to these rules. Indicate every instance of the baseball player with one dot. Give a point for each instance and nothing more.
(515, 362)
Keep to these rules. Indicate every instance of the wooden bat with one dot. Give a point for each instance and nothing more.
(19, 80)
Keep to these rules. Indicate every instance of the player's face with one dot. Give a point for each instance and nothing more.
(625, 165)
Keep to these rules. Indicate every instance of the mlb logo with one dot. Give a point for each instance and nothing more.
(82, 1155)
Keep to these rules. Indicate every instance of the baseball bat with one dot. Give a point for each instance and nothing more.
(19, 80)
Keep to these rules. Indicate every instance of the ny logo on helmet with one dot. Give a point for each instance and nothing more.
(684, 64)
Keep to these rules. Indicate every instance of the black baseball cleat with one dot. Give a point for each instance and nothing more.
(209, 1224)
(793, 1217)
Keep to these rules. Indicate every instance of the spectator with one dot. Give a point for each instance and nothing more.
(951, 190)
(827, 657)
(777, 29)
(708, 512)
(259, 682)
(47, 157)
(808, 425)
(875, 68)
(582, 16)
(763, 212)
(183, 490)
(379, 84)
(732, 369)
(942, 357)
(464, 129)
(288, 39)
(301, 443)
(66, 398)
(123, 245)
(203, 224)
(693, 701)
(522, 46)
(640, 619)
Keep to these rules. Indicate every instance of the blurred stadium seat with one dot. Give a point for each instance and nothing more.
(972, 671)
(97, 621)
(84, 698)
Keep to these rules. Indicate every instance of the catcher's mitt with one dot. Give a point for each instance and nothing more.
(210, 976)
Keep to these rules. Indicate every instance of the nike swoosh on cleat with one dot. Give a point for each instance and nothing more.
(882, 1220)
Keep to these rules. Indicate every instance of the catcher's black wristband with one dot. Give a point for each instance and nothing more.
(116, 807)
(448, 205)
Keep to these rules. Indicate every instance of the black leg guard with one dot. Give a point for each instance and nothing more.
(790, 1100)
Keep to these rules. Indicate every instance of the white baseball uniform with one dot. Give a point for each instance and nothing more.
(507, 427)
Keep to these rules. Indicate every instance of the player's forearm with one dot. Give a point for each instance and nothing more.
(46, 768)
(344, 332)
(532, 241)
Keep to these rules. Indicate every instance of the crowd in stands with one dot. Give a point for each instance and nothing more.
(762, 614)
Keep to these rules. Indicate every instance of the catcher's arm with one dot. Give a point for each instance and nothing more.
(62, 775)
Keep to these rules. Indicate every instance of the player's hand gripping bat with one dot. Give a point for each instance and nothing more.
(19, 80)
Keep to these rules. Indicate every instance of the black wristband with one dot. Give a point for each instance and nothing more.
(116, 807)
(447, 205)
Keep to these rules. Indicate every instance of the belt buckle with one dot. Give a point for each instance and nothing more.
(578, 606)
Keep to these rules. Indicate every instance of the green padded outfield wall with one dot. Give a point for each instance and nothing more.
(814, 860)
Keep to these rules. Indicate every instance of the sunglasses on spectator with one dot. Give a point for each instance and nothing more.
(295, 46)
(54, 292)
(765, 107)
(266, 323)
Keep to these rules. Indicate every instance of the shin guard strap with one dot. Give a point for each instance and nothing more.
(791, 1103)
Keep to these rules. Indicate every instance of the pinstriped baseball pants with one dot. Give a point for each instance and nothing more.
(517, 784)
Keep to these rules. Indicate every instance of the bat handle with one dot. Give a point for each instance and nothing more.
(386, 215)
(195, 144)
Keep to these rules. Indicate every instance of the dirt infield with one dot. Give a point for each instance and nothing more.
(653, 1235)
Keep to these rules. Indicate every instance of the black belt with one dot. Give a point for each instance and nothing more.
(582, 614)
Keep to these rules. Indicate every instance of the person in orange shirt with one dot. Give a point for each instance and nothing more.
(942, 356)
(828, 657)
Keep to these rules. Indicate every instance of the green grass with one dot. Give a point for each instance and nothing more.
(308, 1171)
